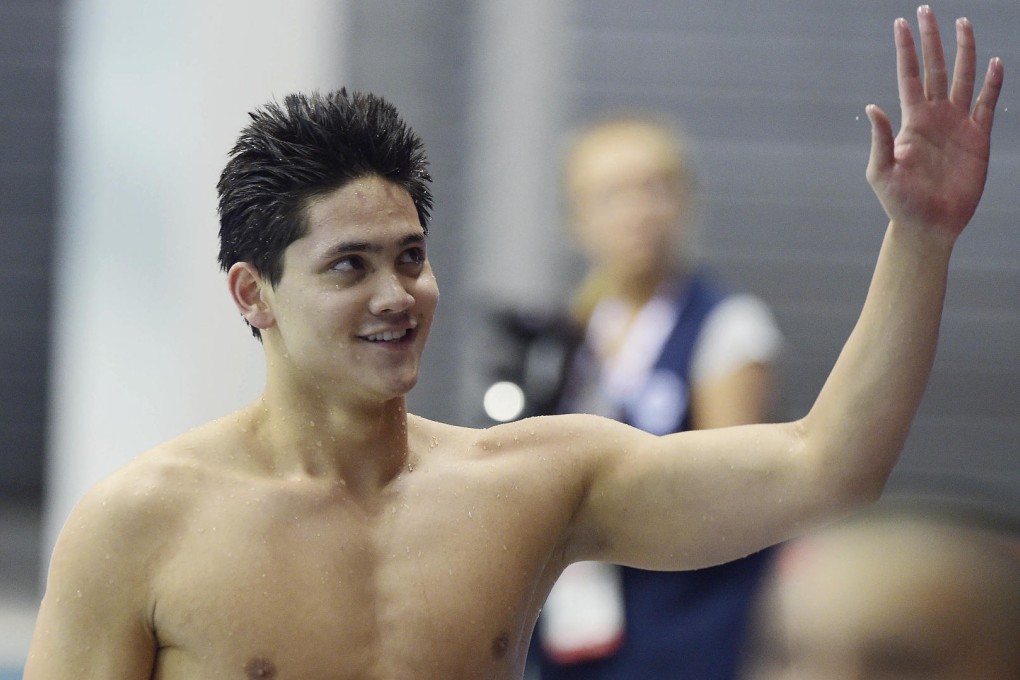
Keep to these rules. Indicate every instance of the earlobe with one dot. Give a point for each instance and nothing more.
(246, 288)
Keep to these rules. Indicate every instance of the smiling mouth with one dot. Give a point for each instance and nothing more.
(390, 336)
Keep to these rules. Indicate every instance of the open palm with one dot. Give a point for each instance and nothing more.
(932, 174)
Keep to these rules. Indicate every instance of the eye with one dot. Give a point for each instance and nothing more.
(348, 264)
(413, 258)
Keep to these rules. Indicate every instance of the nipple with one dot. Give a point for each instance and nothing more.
(260, 667)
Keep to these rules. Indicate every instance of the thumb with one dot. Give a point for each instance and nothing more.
(881, 158)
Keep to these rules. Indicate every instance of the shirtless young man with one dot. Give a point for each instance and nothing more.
(323, 532)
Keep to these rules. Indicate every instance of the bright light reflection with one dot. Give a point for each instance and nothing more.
(503, 401)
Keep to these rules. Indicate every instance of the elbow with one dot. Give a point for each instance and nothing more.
(869, 491)
(862, 484)
(851, 473)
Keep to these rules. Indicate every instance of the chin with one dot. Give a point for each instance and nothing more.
(400, 387)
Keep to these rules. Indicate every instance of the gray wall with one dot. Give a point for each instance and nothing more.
(28, 119)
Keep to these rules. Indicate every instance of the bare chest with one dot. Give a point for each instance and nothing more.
(429, 584)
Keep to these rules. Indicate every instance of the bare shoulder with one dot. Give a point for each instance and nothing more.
(578, 435)
(536, 475)
(557, 457)
(141, 504)
(103, 567)
(136, 505)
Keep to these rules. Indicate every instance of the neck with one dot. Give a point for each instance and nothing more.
(362, 448)
(634, 288)
(637, 291)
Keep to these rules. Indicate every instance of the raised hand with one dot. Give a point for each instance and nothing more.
(932, 174)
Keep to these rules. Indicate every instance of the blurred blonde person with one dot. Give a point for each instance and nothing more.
(666, 348)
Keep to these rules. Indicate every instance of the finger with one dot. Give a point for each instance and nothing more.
(935, 75)
(963, 69)
(984, 108)
(881, 157)
(908, 73)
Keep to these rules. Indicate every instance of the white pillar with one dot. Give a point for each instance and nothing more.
(146, 342)
(517, 247)
(518, 122)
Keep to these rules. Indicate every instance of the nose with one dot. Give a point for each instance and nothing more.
(390, 296)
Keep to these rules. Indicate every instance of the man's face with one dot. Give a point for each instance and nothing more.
(355, 303)
(628, 200)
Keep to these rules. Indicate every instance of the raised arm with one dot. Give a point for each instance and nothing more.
(696, 498)
(929, 180)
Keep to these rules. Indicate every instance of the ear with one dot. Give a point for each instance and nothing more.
(247, 288)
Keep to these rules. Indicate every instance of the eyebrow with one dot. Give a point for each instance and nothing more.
(348, 247)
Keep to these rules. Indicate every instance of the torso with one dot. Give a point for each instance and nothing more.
(439, 576)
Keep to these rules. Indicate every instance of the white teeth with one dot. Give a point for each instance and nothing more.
(386, 335)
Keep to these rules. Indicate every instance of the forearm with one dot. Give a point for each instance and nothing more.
(858, 424)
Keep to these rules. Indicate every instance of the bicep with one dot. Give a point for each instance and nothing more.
(697, 498)
(77, 640)
(94, 619)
